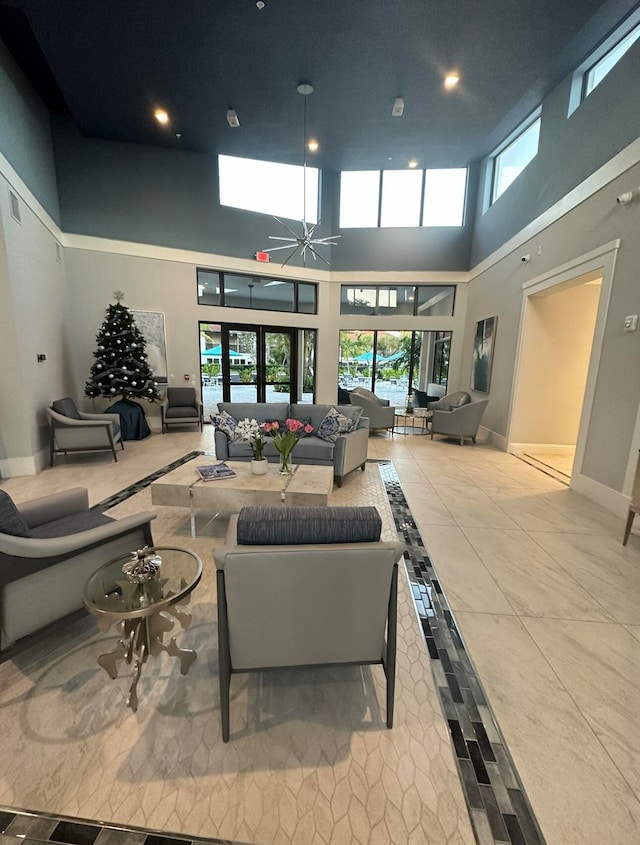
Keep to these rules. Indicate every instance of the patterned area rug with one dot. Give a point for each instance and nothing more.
(310, 759)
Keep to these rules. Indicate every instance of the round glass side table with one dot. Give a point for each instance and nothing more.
(144, 612)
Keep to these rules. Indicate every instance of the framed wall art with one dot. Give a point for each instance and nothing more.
(151, 325)
(483, 354)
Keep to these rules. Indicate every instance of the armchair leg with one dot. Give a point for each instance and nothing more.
(224, 656)
(627, 529)
(390, 657)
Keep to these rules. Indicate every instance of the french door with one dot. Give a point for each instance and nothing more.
(249, 363)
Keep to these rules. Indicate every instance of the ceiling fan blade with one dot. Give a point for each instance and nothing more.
(326, 241)
(276, 238)
(284, 246)
(293, 252)
(284, 225)
(319, 256)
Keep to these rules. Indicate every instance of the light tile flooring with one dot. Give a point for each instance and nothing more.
(545, 596)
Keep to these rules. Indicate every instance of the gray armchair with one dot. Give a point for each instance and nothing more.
(290, 593)
(380, 413)
(181, 407)
(460, 422)
(48, 548)
(72, 430)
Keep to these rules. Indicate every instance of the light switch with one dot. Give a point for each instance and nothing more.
(631, 323)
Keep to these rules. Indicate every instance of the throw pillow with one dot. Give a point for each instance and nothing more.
(333, 425)
(66, 407)
(11, 520)
(225, 423)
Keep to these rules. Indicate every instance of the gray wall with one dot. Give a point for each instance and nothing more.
(25, 135)
(498, 291)
(570, 149)
(170, 198)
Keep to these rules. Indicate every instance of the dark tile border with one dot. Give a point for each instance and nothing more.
(42, 827)
(495, 797)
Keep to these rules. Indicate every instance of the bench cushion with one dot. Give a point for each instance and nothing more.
(284, 526)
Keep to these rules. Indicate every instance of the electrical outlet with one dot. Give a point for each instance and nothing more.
(631, 323)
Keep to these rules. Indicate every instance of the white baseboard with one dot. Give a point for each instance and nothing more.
(554, 448)
(611, 500)
(12, 467)
(489, 436)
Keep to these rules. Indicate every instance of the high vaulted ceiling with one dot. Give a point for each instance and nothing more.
(111, 63)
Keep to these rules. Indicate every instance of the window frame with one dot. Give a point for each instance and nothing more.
(423, 198)
(579, 84)
(507, 144)
(211, 271)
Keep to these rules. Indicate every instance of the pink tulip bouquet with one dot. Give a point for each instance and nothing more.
(285, 436)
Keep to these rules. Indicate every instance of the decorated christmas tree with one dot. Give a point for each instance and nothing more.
(121, 367)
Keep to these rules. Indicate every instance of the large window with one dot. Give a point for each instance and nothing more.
(412, 300)
(393, 363)
(233, 290)
(597, 72)
(402, 197)
(512, 159)
(269, 187)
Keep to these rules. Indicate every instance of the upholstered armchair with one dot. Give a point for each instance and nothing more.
(72, 430)
(300, 587)
(48, 548)
(462, 421)
(379, 411)
(181, 407)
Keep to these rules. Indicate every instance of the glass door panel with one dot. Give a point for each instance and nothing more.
(277, 365)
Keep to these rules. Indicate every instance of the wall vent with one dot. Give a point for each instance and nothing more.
(58, 253)
(15, 207)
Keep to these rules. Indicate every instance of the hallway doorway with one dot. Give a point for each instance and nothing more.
(556, 351)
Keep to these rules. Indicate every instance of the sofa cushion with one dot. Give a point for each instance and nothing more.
(66, 407)
(225, 423)
(259, 411)
(333, 425)
(11, 520)
(317, 413)
(72, 524)
(181, 412)
(313, 449)
(279, 526)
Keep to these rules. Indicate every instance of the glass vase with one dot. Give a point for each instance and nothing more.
(285, 463)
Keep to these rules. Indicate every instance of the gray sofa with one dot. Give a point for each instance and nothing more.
(48, 548)
(347, 453)
(305, 587)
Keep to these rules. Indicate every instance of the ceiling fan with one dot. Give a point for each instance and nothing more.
(305, 241)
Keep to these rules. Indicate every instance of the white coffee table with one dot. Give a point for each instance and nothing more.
(183, 488)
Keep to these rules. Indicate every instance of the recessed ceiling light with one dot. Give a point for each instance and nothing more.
(413, 163)
(313, 145)
(161, 116)
(451, 80)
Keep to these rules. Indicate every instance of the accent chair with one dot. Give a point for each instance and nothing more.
(48, 548)
(381, 414)
(460, 422)
(290, 593)
(72, 430)
(181, 406)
